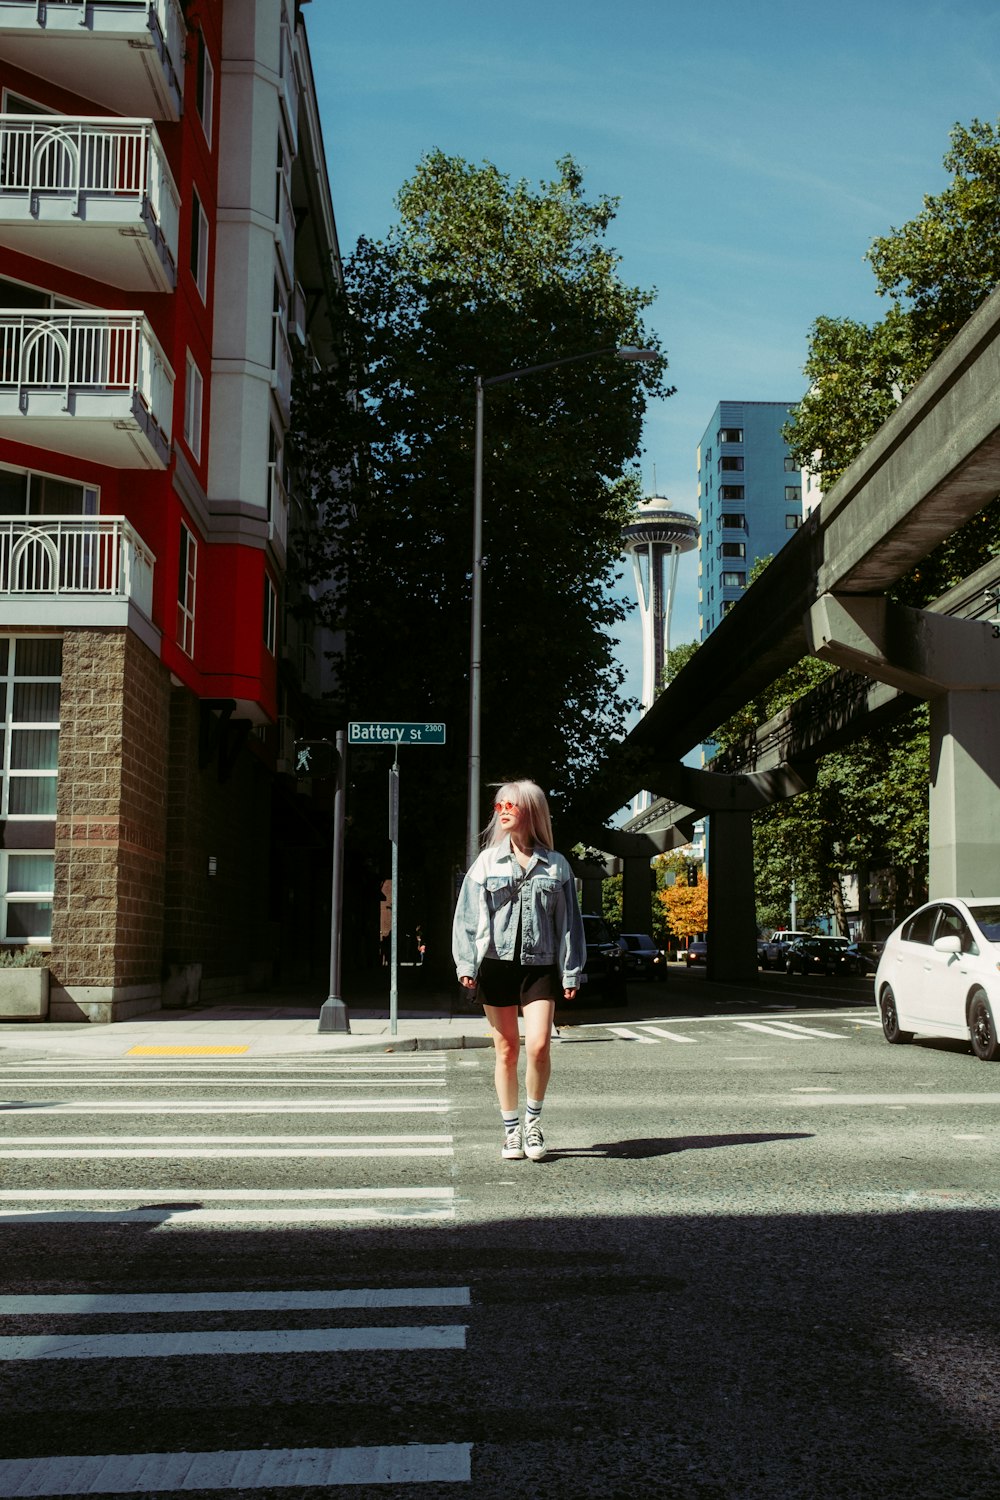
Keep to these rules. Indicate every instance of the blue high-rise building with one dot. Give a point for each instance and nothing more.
(749, 500)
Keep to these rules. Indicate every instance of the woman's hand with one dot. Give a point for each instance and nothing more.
(569, 994)
(467, 982)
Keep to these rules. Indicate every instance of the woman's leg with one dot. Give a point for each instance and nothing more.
(538, 1017)
(506, 1043)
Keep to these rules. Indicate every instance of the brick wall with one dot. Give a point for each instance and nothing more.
(107, 920)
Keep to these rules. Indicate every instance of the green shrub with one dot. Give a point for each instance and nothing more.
(24, 958)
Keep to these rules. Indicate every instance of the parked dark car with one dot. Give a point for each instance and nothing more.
(696, 953)
(642, 959)
(771, 952)
(865, 956)
(604, 975)
(820, 955)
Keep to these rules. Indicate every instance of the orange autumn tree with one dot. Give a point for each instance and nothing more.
(686, 907)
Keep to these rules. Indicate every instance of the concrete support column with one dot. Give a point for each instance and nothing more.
(732, 924)
(637, 883)
(965, 794)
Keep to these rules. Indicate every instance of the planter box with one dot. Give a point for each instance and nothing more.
(24, 994)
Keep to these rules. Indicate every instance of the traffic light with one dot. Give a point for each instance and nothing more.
(692, 872)
(316, 758)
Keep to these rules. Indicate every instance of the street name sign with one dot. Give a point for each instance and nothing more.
(376, 732)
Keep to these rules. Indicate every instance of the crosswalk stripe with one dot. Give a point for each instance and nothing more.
(789, 1036)
(833, 1036)
(220, 1194)
(248, 1469)
(864, 1021)
(224, 1153)
(239, 1083)
(672, 1036)
(237, 1342)
(632, 1036)
(241, 1106)
(182, 1217)
(79, 1304)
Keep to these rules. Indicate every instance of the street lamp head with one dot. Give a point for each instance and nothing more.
(634, 355)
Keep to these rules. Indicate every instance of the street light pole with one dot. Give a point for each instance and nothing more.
(633, 355)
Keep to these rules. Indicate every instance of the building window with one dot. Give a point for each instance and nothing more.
(730, 434)
(793, 492)
(733, 549)
(187, 575)
(731, 492)
(30, 681)
(792, 522)
(731, 521)
(25, 493)
(204, 95)
(790, 464)
(27, 879)
(731, 465)
(199, 245)
(270, 614)
(734, 580)
(193, 395)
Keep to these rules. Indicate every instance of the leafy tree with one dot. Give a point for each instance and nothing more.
(935, 270)
(686, 907)
(482, 274)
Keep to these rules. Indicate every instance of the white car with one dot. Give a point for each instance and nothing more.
(939, 975)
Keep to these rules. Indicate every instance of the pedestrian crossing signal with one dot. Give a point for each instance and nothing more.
(316, 758)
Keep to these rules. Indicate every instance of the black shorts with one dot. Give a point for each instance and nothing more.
(503, 982)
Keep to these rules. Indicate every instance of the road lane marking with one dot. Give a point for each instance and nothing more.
(239, 1342)
(227, 1140)
(226, 1153)
(671, 1036)
(247, 1469)
(79, 1304)
(788, 1036)
(632, 1036)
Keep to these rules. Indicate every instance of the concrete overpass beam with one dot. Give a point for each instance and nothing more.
(732, 919)
(911, 649)
(965, 795)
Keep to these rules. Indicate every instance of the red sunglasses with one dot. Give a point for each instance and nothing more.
(505, 807)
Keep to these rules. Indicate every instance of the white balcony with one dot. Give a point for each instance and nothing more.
(93, 384)
(93, 194)
(127, 55)
(75, 570)
(281, 372)
(277, 506)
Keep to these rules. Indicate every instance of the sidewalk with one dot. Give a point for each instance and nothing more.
(254, 1025)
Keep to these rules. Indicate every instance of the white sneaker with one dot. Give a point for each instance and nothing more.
(513, 1145)
(534, 1142)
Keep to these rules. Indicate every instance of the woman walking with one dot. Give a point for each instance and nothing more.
(518, 937)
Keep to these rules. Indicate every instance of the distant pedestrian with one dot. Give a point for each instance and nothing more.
(518, 937)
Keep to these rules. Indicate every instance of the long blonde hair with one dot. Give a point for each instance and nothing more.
(529, 796)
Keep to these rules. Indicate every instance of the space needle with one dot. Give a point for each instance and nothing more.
(655, 539)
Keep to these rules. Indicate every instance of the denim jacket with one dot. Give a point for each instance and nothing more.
(496, 891)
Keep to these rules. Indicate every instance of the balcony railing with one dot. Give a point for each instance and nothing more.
(70, 378)
(126, 54)
(58, 174)
(92, 557)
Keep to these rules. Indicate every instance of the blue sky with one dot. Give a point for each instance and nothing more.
(757, 150)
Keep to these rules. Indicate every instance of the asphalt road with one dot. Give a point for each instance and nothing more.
(758, 1261)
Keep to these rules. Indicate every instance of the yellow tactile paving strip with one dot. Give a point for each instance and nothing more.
(184, 1051)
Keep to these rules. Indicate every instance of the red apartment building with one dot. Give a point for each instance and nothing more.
(166, 242)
